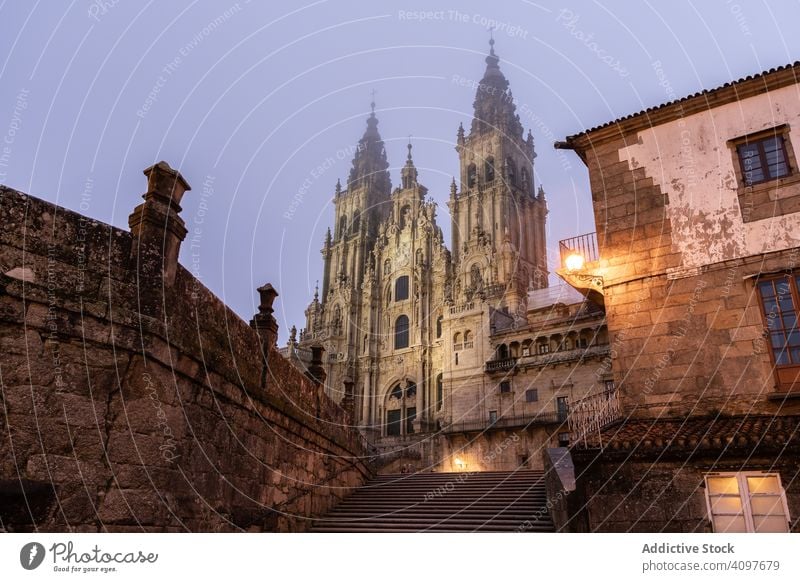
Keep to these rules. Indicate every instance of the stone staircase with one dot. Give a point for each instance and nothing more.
(509, 501)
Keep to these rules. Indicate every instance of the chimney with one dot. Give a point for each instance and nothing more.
(156, 226)
(264, 322)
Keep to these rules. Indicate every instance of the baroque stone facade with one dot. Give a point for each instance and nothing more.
(411, 328)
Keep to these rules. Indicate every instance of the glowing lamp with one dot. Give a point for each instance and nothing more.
(574, 262)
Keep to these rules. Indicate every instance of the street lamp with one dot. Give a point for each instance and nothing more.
(574, 262)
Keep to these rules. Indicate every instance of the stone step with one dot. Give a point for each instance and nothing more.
(455, 502)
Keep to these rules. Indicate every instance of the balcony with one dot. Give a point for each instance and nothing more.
(503, 365)
(543, 418)
(588, 416)
(579, 265)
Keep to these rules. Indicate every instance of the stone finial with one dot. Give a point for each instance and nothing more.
(156, 225)
(264, 322)
(267, 295)
(316, 369)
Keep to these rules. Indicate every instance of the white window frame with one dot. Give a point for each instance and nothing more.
(744, 495)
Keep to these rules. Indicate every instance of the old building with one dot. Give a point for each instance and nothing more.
(413, 330)
(697, 207)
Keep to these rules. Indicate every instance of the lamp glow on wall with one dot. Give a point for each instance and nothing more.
(574, 262)
(459, 463)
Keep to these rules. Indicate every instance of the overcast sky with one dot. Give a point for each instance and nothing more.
(260, 105)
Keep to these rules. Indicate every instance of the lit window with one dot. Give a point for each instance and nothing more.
(746, 502)
(401, 332)
(763, 159)
(401, 288)
(531, 395)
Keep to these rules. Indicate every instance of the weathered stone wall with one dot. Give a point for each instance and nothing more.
(634, 494)
(683, 340)
(134, 403)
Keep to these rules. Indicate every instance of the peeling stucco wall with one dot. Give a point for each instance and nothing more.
(691, 161)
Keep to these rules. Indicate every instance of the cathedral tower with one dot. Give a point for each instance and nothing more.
(358, 210)
(498, 218)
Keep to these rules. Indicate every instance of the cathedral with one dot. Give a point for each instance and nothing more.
(410, 328)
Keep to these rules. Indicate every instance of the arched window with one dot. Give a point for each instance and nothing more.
(472, 175)
(488, 170)
(401, 332)
(468, 340)
(356, 224)
(511, 169)
(396, 393)
(439, 327)
(502, 352)
(401, 288)
(342, 226)
(439, 392)
(457, 339)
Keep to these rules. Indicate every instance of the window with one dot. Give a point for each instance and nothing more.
(356, 224)
(582, 343)
(746, 502)
(342, 226)
(439, 327)
(502, 352)
(531, 395)
(488, 170)
(411, 414)
(609, 384)
(543, 348)
(563, 439)
(401, 332)
(779, 302)
(505, 387)
(393, 423)
(401, 288)
(439, 392)
(763, 159)
(562, 408)
(468, 343)
(511, 171)
(472, 173)
(396, 393)
(457, 345)
(492, 416)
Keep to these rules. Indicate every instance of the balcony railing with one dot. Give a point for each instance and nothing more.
(505, 422)
(585, 245)
(500, 365)
(588, 416)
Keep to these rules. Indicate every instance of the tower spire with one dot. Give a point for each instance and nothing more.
(369, 163)
(494, 106)
(409, 171)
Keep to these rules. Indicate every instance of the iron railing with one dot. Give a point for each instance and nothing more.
(585, 245)
(590, 415)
